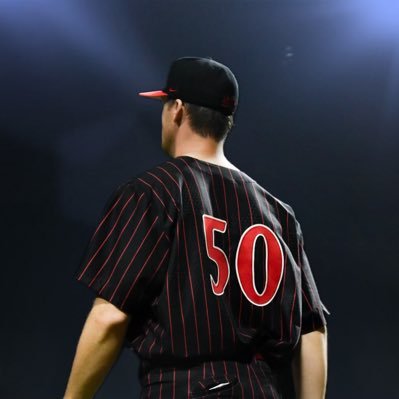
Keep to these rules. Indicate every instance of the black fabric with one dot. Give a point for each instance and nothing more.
(127, 256)
(159, 253)
(203, 81)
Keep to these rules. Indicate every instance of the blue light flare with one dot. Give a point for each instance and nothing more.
(380, 18)
(40, 28)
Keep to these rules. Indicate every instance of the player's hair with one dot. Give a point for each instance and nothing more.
(208, 122)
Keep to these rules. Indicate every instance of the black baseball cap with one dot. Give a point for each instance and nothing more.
(200, 81)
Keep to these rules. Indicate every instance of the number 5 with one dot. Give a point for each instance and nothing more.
(245, 260)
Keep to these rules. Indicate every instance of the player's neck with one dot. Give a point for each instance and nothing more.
(189, 143)
(208, 154)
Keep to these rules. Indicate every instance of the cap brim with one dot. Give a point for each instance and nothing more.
(158, 94)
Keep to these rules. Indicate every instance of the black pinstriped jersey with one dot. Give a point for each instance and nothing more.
(212, 268)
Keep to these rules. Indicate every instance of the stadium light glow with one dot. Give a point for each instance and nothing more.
(379, 18)
(40, 28)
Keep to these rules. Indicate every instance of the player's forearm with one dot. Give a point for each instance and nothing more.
(98, 348)
(309, 366)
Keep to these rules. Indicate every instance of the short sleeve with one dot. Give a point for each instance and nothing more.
(313, 310)
(127, 256)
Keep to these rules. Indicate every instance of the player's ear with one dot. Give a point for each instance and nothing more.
(178, 110)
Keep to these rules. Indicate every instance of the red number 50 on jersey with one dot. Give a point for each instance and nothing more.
(245, 260)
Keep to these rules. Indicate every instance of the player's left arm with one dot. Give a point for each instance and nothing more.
(98, 348)
(309, 365)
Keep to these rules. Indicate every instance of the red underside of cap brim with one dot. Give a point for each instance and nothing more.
(153, 94)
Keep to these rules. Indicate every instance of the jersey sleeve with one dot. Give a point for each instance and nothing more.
(313, 310)
(127, 255)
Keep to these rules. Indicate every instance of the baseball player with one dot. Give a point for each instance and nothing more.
(198, 269)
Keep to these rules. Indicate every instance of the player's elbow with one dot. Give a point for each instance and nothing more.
(108, 315)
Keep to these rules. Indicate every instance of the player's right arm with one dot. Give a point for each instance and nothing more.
(99, 347)
(309, 365)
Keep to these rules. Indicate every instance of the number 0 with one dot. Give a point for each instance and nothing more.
(245, 260)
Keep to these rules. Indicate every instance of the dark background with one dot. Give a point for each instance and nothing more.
(317, 126)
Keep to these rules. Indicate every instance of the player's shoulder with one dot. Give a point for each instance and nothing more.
(163, 176)
(170, 174)
(282, 208)
(288, 208)
(276, 202)
(161, 182)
